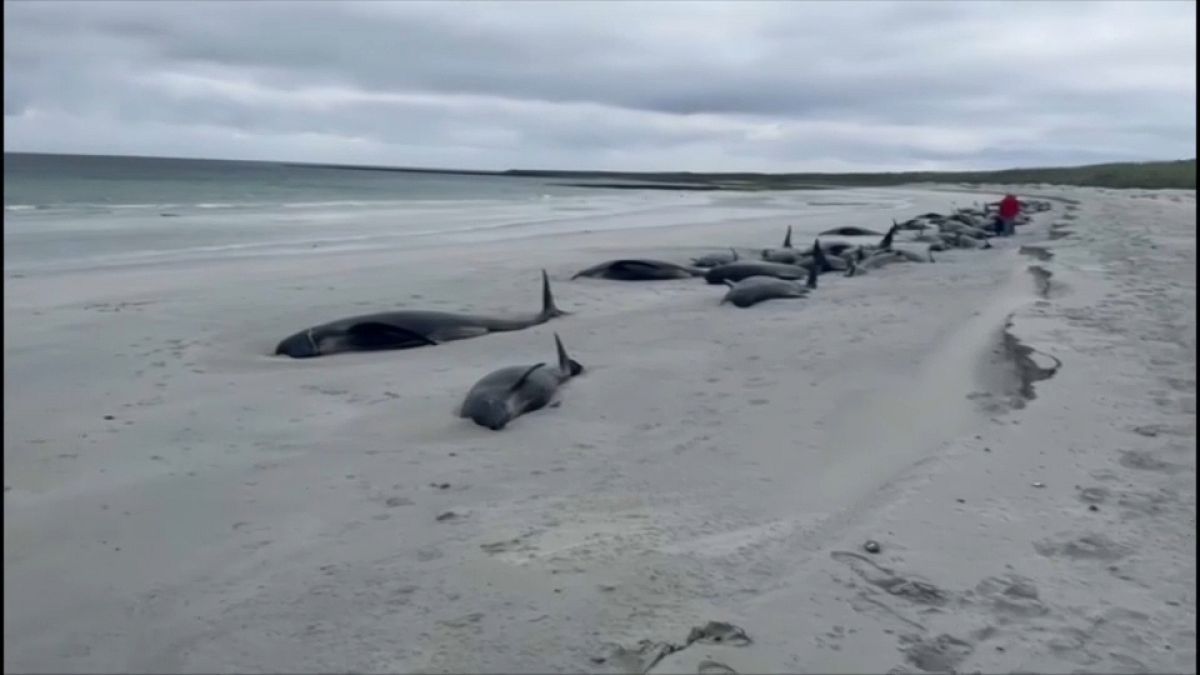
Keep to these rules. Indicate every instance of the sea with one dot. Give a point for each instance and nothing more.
(73, 212)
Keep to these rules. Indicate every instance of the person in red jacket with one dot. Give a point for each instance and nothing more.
(1010, 208)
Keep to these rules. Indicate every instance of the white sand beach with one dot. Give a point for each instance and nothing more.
(179, 500)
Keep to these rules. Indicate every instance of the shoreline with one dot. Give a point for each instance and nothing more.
(239, 512)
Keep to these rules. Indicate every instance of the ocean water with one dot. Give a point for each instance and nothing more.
(67, 212)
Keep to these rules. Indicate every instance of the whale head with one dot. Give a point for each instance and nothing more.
(489, 411)
(302, 345)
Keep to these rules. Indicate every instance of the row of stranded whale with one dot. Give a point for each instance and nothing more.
(784, 272)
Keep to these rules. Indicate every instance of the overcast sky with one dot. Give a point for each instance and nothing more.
(669, 85)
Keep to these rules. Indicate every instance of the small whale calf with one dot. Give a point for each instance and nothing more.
(505, 394)
(874, 262)
(753, 290)
(637, 269)
(882, 258)
(406, 329)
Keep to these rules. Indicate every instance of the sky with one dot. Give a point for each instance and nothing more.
(632, 86)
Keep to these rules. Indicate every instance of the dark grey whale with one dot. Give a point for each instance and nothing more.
(714, 259)
(753, 290)
(752, 268)
(851, 231)
(505, 394)
(637, 269)
(406, 329)
(785, 254)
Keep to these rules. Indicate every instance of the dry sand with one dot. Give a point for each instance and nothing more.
(177, 501)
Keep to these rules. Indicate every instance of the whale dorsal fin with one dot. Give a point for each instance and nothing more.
(549, 309)
(818, 255)
(734, 252)
(886, 243)
(787, 239)
(525, 376)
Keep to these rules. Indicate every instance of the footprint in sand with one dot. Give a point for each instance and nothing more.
(1145, 461)
(1012, 596)
(935, 655)
(708, 667)
(1094, 495)
(639, 659)
(1148, 503)
(428, 554)
(1087, 547)
(915, 591)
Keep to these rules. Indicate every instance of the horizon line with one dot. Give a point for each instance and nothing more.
(519, 172)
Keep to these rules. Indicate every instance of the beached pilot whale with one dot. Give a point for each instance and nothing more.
(505, 394)
(851, 231)
(753, 290)
(817, 259)
(884, 244)
(714, 259)
(407, 328)
(860, 265)
(638, 270)
(753, 268)
(785, 254)
(838, 248)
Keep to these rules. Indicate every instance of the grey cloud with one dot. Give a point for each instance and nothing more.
(578, 84)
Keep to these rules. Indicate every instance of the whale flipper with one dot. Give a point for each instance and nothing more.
(524, 376)
(377, 335)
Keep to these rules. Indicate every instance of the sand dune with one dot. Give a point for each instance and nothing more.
(1015, 428)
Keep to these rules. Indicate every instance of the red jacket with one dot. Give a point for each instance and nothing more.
(1009, 207)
